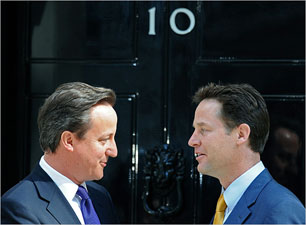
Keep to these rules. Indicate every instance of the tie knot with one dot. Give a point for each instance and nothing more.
(221, 205)
(82, 193)
(88, 211)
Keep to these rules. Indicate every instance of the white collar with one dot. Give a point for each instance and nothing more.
(236, 189)
(67, 186)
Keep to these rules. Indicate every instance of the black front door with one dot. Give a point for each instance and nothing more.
(155, 55)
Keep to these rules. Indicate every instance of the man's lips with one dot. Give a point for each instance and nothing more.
(198, 155)
(103, 164)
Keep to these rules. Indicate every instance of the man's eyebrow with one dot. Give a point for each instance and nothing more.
(106, 134)
(200, 124)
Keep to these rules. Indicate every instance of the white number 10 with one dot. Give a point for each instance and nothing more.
(172, 21)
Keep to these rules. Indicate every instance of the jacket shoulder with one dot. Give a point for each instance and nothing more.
(281, 205)
(18, 202)
(276, 204)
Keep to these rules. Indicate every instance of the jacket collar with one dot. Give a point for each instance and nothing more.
(58, 205)
(241, 210)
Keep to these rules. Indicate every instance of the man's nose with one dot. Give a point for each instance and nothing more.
(112, 150)
(193, 140)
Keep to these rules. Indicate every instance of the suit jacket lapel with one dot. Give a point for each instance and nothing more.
(242, 210)
(58, 205)
(239, 213)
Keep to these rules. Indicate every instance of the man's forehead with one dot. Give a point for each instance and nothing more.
(208, 107)
(208, 110)
(209, 101)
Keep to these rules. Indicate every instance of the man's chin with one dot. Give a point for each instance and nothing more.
(203, 171)
(98, 177)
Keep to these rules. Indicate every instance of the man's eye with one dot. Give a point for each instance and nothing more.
(202, 131)
(103, 140)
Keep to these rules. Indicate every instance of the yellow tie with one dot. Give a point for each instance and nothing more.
(220, 209)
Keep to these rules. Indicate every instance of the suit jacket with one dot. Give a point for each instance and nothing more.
(38, 200)
(267, 202)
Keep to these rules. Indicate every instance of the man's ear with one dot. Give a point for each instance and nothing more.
(67, 140)
(244, 132)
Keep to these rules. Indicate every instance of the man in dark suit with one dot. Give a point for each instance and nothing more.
(231, 125)
(77, 126)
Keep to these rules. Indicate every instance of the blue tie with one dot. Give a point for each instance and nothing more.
(88, 211)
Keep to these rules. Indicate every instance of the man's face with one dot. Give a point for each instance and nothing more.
(94, 148)
(213, 145)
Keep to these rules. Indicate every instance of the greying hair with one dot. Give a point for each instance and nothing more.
(241, 103)
(68, 109)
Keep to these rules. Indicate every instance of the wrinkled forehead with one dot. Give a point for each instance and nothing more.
(104, 109)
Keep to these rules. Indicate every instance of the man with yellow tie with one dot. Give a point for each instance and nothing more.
(231, 127)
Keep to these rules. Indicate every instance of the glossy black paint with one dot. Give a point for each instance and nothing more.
(106, 43)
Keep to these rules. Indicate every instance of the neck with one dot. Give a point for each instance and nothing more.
(239, 169)
(60, 163)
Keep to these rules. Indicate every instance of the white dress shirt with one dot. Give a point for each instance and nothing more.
(236, 189)
(67, 187)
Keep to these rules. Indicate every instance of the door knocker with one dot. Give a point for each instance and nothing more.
(163, 174)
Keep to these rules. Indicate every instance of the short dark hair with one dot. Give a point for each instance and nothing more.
(68, 108)
(241, 103)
